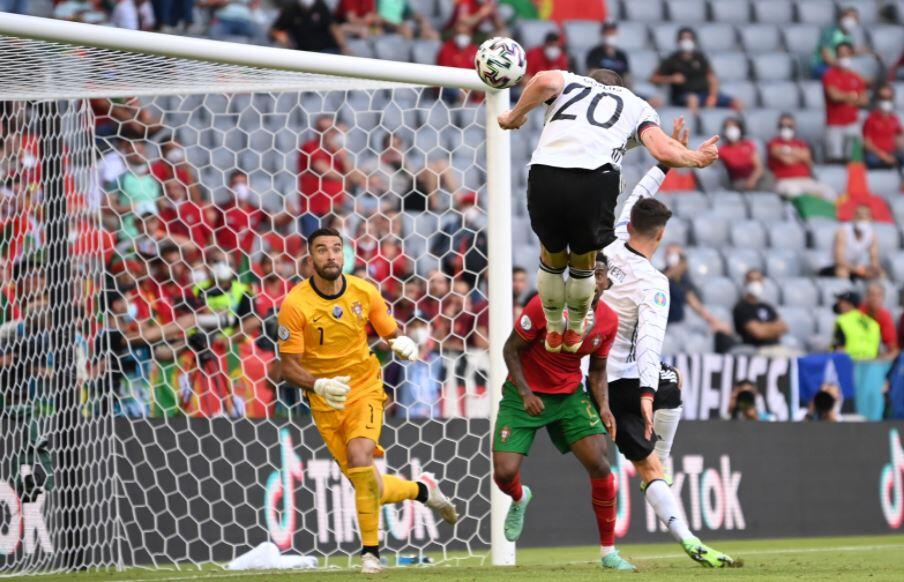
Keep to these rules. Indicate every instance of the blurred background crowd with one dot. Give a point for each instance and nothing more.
(791, 245)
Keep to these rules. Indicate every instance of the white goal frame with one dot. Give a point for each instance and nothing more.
(498, 154)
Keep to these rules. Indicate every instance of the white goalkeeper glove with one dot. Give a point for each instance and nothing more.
(404, 347)
(333, 390)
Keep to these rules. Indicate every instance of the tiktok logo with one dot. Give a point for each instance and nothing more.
(280, 487)
(891, 483)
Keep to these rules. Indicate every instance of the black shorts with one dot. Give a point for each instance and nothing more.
(573, 208)
(624, 402)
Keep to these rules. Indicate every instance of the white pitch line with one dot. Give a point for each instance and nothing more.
(202, 576)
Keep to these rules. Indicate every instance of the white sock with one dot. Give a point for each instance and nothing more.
(665, 425)
(659, 496)
(551, 288)
(606, 550)
(578, 296)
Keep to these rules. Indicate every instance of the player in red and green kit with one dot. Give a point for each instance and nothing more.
(545, 389)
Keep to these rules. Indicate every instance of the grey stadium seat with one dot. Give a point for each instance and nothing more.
(643, 63)
(730, 205)
(664, 35)
(634, 36)
(646, 11)
(739, 261)
(716, 37)
(691, 204)
(686, 10)
(867, 10)
(816, 260)
(532, 32)
(867, 66)
(710, 230)
(799, 292)
(825, 321)
(582, 34)
(719, 291)
(676, 232)
(703, 263)
(392, 47)
(800, 322)
(772, 11)
(360, 47)
(834, 176)
(748, 234)
(759, 38)
(885, 183)
(817, 12)
(782, 263)
(830, 287)
(787, 235)
(887, 41)
(771, 293)
(897, 267)
(801, 39)
(711, 120)
(711, 178)
(424, 51)
(766, 206)
(667, 115)
(731, 66)
(813, 94)
(889, 238)
(822, 233)
(743, 90)
(762, 123)
(735, 11)
(811, 125)
(773, 67)
(779, 95)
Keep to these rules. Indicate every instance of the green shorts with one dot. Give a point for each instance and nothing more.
(567, 417)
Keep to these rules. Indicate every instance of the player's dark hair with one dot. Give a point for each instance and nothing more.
(649, 215)
(607, 77)
(326, 231)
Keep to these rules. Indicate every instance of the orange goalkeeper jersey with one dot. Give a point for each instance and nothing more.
(329, 333)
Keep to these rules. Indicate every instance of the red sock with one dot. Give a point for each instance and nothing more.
(512, 488)
(602, 494)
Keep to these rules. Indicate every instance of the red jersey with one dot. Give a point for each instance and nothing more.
(318, 194)
(452, 56)
(537, 61)
(841, 113)
(359, 8)
(883, 130)
(738, 158)
(782, 171)
(886, 326)
(560, 373)
(237, 227)
(164, 171)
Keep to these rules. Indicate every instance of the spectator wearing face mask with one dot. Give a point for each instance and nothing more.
(856, 333)
(691, 78)
(308, 25)
(757, 322)
(883, 137)
(239, 222)
(740, 156)
(874, 306)
(684, 294)
(856, 249)
(476, 16)
(791, 161)
(459, 51)
(172, 165)
(607, 55)
(845, 93)
(420, 381)
(134, 191)
(825, 55)
(548, 56)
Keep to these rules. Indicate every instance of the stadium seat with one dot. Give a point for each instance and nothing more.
(740, 260)
(676, 232)
(887, 41)
(822, 233)
(703, 263)
(392, 47)
(799, 292)
(360, 47)
(771, 293)
(646, 11)
(817, 12)
(834, 176)
(759, 38)
(772, 11)
(829, 288)
(719, 291)
(582, 34)
(664, 35)
(801, 39)
(717, 37)
(885, 183)
(897, 267)
(762, 123)
(689, 205)
(532, 32)
(813, 93)
(773, 67)
(686, 10)
(867, 66)
(816, 260)
(897, 206)
(782, 263)
(527, 257)
(736, 11)
(743, 90)
(766, 206)
(712, 178)
(800, 322)
(867, 11)
(424, 51)
(729, 205)
(779, 95)
(711, 120)
(635, 36)
(888, 236)
(748, 234)
(643, 63)
(811, 126)
(667, 116)
(825, 321)
(730, 66)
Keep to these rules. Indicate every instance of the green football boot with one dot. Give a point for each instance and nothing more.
(614, 561)
(708, 557)
(514, 520)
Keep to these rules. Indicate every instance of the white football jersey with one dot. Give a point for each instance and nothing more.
(589, 125)
(640, 296)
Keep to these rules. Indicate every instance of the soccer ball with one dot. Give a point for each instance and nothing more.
(500, 62)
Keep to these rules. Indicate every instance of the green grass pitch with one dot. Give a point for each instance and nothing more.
(875, 558)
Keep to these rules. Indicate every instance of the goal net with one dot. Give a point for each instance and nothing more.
(153, 209)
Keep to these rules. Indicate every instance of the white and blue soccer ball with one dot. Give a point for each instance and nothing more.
(500, 62)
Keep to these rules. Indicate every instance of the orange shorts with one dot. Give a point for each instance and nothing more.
(360, 419)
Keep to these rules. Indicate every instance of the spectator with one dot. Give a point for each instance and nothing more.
(883, 138)
(134, 15)
(856, 249)
(874, 306)
(433, 186)
(172, 165)
(135, 191)
(824, 405)
(307, 25)
(791, 163)
(476, 16)
(757, 322)
(740, 156)
(607, 55)
(399, 16)
(548, 56)
(845, 92)
(237, 18)
(684, 293)
(392, 168)
(358, 17)
(459, 51)
(174, 15)
(124, 117)
(746, 403)
(825, 55)
(420, 388)
(90, 12)
(521, 292)
(239, 220)
(692, 79)
(856, 333)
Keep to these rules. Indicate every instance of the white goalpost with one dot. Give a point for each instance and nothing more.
(142, 425)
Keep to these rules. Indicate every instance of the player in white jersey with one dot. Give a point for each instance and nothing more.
(639, 294)
(575, 180)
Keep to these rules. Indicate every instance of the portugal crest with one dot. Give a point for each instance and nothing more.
(504, 434)
(337, 312)
(358, 310)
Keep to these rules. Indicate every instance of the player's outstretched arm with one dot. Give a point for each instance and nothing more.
(673, 154)
(511, 353)
(541, 88)
(599, 389)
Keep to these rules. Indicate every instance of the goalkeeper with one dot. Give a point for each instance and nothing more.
(544, 390)
(323, 350)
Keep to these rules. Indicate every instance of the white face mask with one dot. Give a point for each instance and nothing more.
(175, 155)
(199, 276)
(222, 272)
(420, 335)
(552, 52)
(306, 3)
(886, 105)
(140, 169)
(462, 40)
(131, 312)
(754, 289)
(848, 23)
(687, 45)
(28, 161)
(472, 215)
(786, 133)
(844, 62)
(242, 192)
(732, 133)
(610, 40)
(672, 259)
(338, 140)
(862, 225)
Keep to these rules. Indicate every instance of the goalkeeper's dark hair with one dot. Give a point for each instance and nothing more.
(326, 231)
(606, 77)
(648, 216)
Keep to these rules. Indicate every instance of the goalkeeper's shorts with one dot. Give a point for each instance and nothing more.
(362, 418)
(568, 418)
